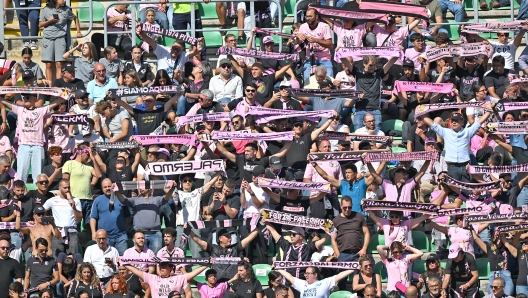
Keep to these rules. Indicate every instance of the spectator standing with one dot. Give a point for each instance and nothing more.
(55, 19)
(10, 267)
(461, 273)
(54, 169)
(314, 285)
(119, 18)
(41, 269)
(102, 256)
(29, 21)
(28, 64)
(181, 16)
(398, 264)
(117, 126)
(41, 194)
(498, 78)
(67, 266)
(435, 11)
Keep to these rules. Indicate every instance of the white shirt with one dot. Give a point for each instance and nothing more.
(190, 203)
(62, 211)
(165, 60)
(96, 256)
(364, 131)
(505, 50)
(478, 112)
(260, 195)
(319, 289)
(325, 252)
(221, 89)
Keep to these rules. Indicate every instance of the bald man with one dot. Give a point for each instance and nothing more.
(411, 292)
(102, 256)
(110, 216)
(101, 83)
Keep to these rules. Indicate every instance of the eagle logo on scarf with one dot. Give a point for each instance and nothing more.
(265, 214)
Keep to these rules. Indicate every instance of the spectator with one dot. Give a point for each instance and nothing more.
(28, 21)
(418, 48)
(132, 80)
(230, 40)
(366, 277)
(313, 283)
(429, 181)
(471, 71)
(84, 65)
(226, 86)
(110, 216)
(68, 79)
(369, 128)
(457, 276)
(181, 17)
(117, 288)
(119, 20)
(395, 228)
(28, 64)
(276, 285)
(140, 250)
(102, 256)
(10, 267)
(41, 269)
(198, 81)
(505, 48)
(245, 284)
(87, 280)
(113, 65)
(142, 68)
(160, 12)
(433, 284)
(435, 10)
(283, 101)
(84, 108)
(99, 86)
(58, 133)
(67, 265)
(399, 262)
(41, 194)
(169, 250)
(54, 169)
(498, 78)
(520, 254)
(498, 286)
(117, 126)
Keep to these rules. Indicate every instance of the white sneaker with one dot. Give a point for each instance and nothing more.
(26, 44)
(34, 45)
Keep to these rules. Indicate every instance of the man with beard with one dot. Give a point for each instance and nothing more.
(222, 205)
(433, 283)
(10, 267)
(82, 107)
(41, 269)
(406, 104)
(140, 251)
(102, 256)
(240, 106)
(369, 128)
(39, 229)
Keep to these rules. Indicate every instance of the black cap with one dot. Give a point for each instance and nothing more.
(401, 170)
(69, 68)
(225, 232)
(326, 83)
(457, 117)
(81, 93)
(297, 121)
(28, 74)
(470, 58)
(432, 258)
(258, 170)
(39, 210)
(174, 294)
(275, 162)
(408, 63)
(343, 142)
(364, 145)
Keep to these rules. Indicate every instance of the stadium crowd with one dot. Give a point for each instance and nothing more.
(70, 218)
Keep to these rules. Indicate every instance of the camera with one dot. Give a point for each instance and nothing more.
(47, 220)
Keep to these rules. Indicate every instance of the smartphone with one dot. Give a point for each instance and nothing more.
(56, 16)
(108, 260)
(47, 220)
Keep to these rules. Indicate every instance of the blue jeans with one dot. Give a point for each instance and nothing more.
(523, 15)
(87, 213)
(346, 257)
(521, 289)
(522, 198)
(30, 156)
(196, 251)
(307, 68)
(60, 289)
(458, 172)
(358, 118)
(161, 18)
(28, 16)
(154, 241)
(456, 9)
(16, 241)
(168, 214)
(506, 275)
(182, 21)
(183, 106)
(120, 243)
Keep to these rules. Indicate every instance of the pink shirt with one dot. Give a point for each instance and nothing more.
(176, 253)
(322, 31)
(345, 81)
(61, 136)
(349, 38)
(476, 143)
(162, 286)
(399, 232)
(395, 39)
(216, 292)
(145, 253)
(397, 271)
(332, 168)
(412, 54)
(391, 192)
(119, 25)
(243, 106)
(30, 125)
(5, 145)
(463, 237)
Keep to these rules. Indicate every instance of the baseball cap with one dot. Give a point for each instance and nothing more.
(298, 121)
(471, 58)
(267, 39)
(285, 83)
(430, 140)
(258, 170)
(69, 68)
(408, 63)
(28, 74)
(400, 170)
(225, 232)
(453, 250)
(343, 142)
(297, 230)
(432, 258)
(80, 93)
(39, 210)
(173, 294)
(325, 83)
(224, 61)
(457, 117)
(164, 151)
(275, 162)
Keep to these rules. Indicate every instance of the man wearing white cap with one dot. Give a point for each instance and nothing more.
(282, 100)
(461, 273)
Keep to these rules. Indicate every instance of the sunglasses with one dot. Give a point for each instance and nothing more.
(283, 87)
(346, 208)
(187, 181)
(176, 49)
(42, 182)
(4, 247)
(367, 266)
(293, 234)
(226, 66)
(297, 125)
(236, 122)
(397, 252)
(251, 90)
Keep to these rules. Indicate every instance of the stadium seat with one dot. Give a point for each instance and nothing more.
(483, 268)
(289, 8)
(213, 39)
(342, 294)
(398, 149)
(392, 124)
(31, 186)
(200, 277)
(374, 242)
(421, 241)
(91, 242)
(380, 269)
(207, 10)
(188, 253)
(468, 5)
(97, 12)
(452, 30)
(419, 266)
(261, 273)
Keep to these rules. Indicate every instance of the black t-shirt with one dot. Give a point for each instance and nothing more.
(461, 271)
(246, 289)
(40, 271)
(147, 122)
(264, 86)
(522, 258)
(218, 209)
(48, 170)
(521, 155)
(498, 81)
(245, 166)
(77, 258)
(296, 155)
(370, 83)
(498, 258)
(78, 286)
(76, 84)
(215, 107)
(134, 285)
(28, 204)
(291, 104)
(414, 78)
(299, 206)
(124, 175)
(224, 271)
(417, 141)
(468, 80)
(9, 270)
(291, 254)
(39, 198)
(430, 275)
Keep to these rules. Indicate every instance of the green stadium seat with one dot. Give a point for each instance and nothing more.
(130, 243)
(380, 269)
(207, 10)
(443, 263)
(200, 277)
(341, 294)
(468, 5)
(97, 12)
(374, 242)
(452, 30)
(392, 124)
(213, 39)
(483, 268)
(398, 149)
(31, 186)
(289, 8)
(261, 272)
(90, 243)
(188, 253)
(168, 41)
(421, 241)
(419, 266)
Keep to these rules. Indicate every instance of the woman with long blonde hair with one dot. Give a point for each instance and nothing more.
(86, 279)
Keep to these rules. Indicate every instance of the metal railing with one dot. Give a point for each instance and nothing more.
(193, 29)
